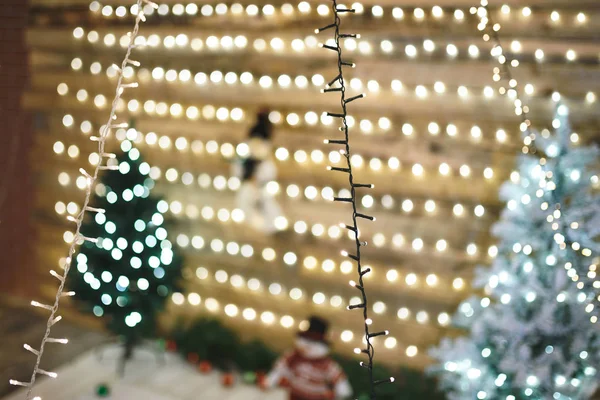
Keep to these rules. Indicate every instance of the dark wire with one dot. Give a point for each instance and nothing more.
(369, 350)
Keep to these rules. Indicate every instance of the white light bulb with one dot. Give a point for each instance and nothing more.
(411, 351)
(458, 283)
(452, 50)
(473, 51)
(444, 169)
(377, 11)
(403, 313)
(539, 54)
(346, 336)
(590, 97)
(397, 13)
(417, 170)
(411, 279)
(428, 45)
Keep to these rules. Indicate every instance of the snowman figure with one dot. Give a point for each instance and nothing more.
(255, 171)
(308, 371)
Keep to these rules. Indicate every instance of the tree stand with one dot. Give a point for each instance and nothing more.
(128, 348)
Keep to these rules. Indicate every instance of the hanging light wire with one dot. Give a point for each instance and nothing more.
(78, 238)
(337, 85)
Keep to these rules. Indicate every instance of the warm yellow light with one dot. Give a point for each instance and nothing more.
(267, 317)
(443, 319)
(431, 280)
(392, 275)
(390, 342)
(296, 294)
(310, 262)
(397, 13)
(417, 170)
(458, 283)
(378, 307)
(411, 351)
(249, 314)
(441, 245)
(231, 310)
(346, 336)
(444, 169)
(211, 304)
(287, 321)
(430, 206)
(346, 267)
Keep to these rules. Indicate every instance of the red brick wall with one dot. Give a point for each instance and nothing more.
(16, 189)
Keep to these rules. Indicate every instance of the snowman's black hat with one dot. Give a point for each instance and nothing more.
(317, 330)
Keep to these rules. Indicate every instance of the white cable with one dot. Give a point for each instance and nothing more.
(78, 238)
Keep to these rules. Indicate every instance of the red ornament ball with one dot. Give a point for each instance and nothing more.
(260, 379)
(193, 358)
(205, 367)
(284, 383)
(228, 379)
(171, 345)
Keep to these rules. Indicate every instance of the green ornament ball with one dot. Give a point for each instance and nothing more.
(103, 390)
(249, 377)
(363, 396)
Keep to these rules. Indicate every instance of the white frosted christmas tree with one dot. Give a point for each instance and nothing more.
(532, 337)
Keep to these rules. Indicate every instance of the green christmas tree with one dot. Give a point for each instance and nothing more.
(128, 275)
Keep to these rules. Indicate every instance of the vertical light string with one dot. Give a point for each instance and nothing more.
(78, 238)
(337, 85)
(490, 30)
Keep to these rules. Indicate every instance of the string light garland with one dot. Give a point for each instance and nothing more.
(78, 238)
(347, 337)
(304, 9)
(224, 215)
(396, 242)
(491, 29)
(428, 208)
(294, 120)
(293, 191)
(270, 83)
(336, 85)
(276, 45)
(297, 293)
(304, 157)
